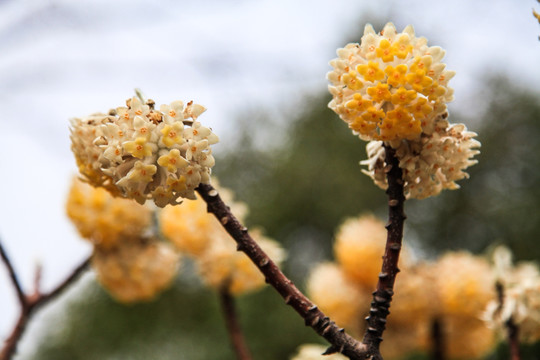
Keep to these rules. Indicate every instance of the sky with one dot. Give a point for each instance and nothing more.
(62, 58)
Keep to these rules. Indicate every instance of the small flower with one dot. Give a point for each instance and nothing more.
(142, 153)
(396, 75)
(371, 71)
(139, 148)
(379, 93)
(172, 134)
(172, 161)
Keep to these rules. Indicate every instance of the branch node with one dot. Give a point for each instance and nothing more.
(264, 262)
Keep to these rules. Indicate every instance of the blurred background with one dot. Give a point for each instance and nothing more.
(259, 67)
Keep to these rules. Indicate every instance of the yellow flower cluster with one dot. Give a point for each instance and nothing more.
(392, 90)
(138, 270)
(362, 241)
(142, 153)
(104, 219)
(453, 290)
(196, 232)
(391, 86)
(464, 287)
(131, 265)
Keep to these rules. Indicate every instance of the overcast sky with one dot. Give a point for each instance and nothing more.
(60, 59)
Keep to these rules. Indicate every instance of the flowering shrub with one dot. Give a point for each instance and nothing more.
(392, 90)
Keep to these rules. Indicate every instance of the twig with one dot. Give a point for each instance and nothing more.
(313, 317)
(437, 340)
(382, 296)
(512, 329)
(233, 326)
(13, 276)
(30, 303)
(513, 339)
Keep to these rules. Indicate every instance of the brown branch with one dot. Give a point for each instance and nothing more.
(313, 317)
(513, 339)
(13, 276)
(437, 340)
(233, 326)
(30, 303)
(382, 297)
(512, 329)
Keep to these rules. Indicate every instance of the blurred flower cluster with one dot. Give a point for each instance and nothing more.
(519, 300)
(453, 290)
(142, 153)
(134, 264)
(199, 234)
(392, 89)
(130, 262)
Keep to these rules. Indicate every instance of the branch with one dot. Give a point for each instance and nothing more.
(382, 297)
(513, 339)
(512, 329)
(13, 276)
(313, 317)
(233, 327)
(437, 340)
(30, 303)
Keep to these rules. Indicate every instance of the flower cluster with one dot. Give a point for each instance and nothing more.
(130, 263)
(392, 90)
(520, 288)
(142, 153)
(138, 270)
(430, 165)
(458, 285)
(391, 86)
(199, 234)
(103, 219)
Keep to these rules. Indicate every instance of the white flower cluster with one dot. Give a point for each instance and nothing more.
(431, 164)
(521, 297)
(141, 153)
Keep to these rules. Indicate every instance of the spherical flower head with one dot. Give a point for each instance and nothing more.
(432, 164)
(199, 234)
(142, 153)
(222, 266)
(410, 305)
(358, 247)
(338, 296)
(102, 218)
(465, 286)
(191, 228)
(138, 270)
(315, 352)
(467, 338)
(391, 86)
